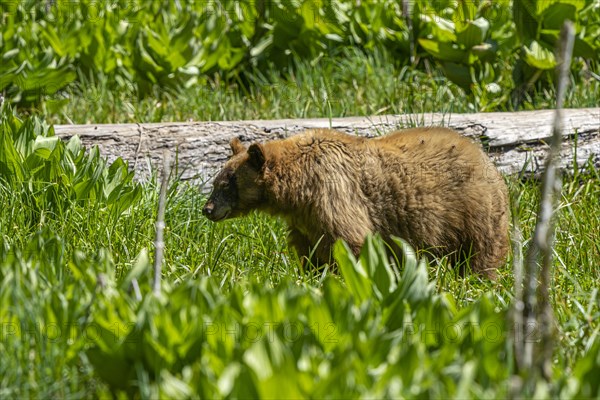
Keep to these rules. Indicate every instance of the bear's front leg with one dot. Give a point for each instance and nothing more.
(317, 254)
(324, 250)
(301, 245)
(320, 252)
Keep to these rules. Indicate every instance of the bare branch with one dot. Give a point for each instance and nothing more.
(552, 184)
(517, 312)
(541, 315)
(159, 243)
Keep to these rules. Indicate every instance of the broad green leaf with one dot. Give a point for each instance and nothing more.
(353, 272)
(466, 380)
(173, 387)
(545, 5)
(409, 255)
(119, 375)
(375, 257)
(465, 12)
(474, 33)
(158, 353)
(9, 54)
(257, 358)
(484, 51)
(44, 146)
(586, 372)
(414, 284)
(10, 160)
(538, 56)
(74, 145)
(334, 37)
(7, 79)
(272, 364)
(556, 14)
(228, 378)
(459, 74)
(442, 30)
(444, 51)
(48, 81)
(261, 46)
(585, 49)
(525, 18)
(142, 265)
(231, 59)
(581, 48)
(49, 34)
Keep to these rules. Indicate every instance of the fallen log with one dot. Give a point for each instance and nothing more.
(517, 142)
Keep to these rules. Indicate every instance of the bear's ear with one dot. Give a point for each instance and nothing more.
(256, 153)
(236, 146)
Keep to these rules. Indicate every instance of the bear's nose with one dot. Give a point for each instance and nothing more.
(208, 209)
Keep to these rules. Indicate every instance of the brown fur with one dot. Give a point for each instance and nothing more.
(429, 186)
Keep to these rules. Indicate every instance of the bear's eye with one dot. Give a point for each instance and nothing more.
(227, 182)
(222, 184)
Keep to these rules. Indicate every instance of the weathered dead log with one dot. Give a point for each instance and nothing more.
(516, 141)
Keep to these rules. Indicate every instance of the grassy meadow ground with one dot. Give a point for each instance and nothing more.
(71, 262)
(351, 84)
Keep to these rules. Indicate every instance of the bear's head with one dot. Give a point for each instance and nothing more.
(239, 187)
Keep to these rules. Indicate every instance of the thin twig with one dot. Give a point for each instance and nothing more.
(159, 243)
(542, 241)
(407, 13)
(554, 183)
(517, 314)
(517, 243)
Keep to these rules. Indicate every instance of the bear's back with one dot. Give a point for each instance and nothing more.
(447, 194)
(432, 145)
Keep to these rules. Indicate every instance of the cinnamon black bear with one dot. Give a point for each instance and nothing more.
(429, 186)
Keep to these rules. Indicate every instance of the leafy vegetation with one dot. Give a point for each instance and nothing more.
(237, 315)
(148, 54)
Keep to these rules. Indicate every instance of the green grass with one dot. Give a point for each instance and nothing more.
(239, 253)
(352, 84)
(71, 260)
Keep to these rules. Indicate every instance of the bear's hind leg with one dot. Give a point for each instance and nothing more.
(481, 259)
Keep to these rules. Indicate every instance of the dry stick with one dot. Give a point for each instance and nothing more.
(407, 12)
(519, 334)
(159, 243)
(517, 312)
(541, 246)
(567, 40)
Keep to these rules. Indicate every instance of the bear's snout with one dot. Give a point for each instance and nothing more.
(208, 209)
(215, 211)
